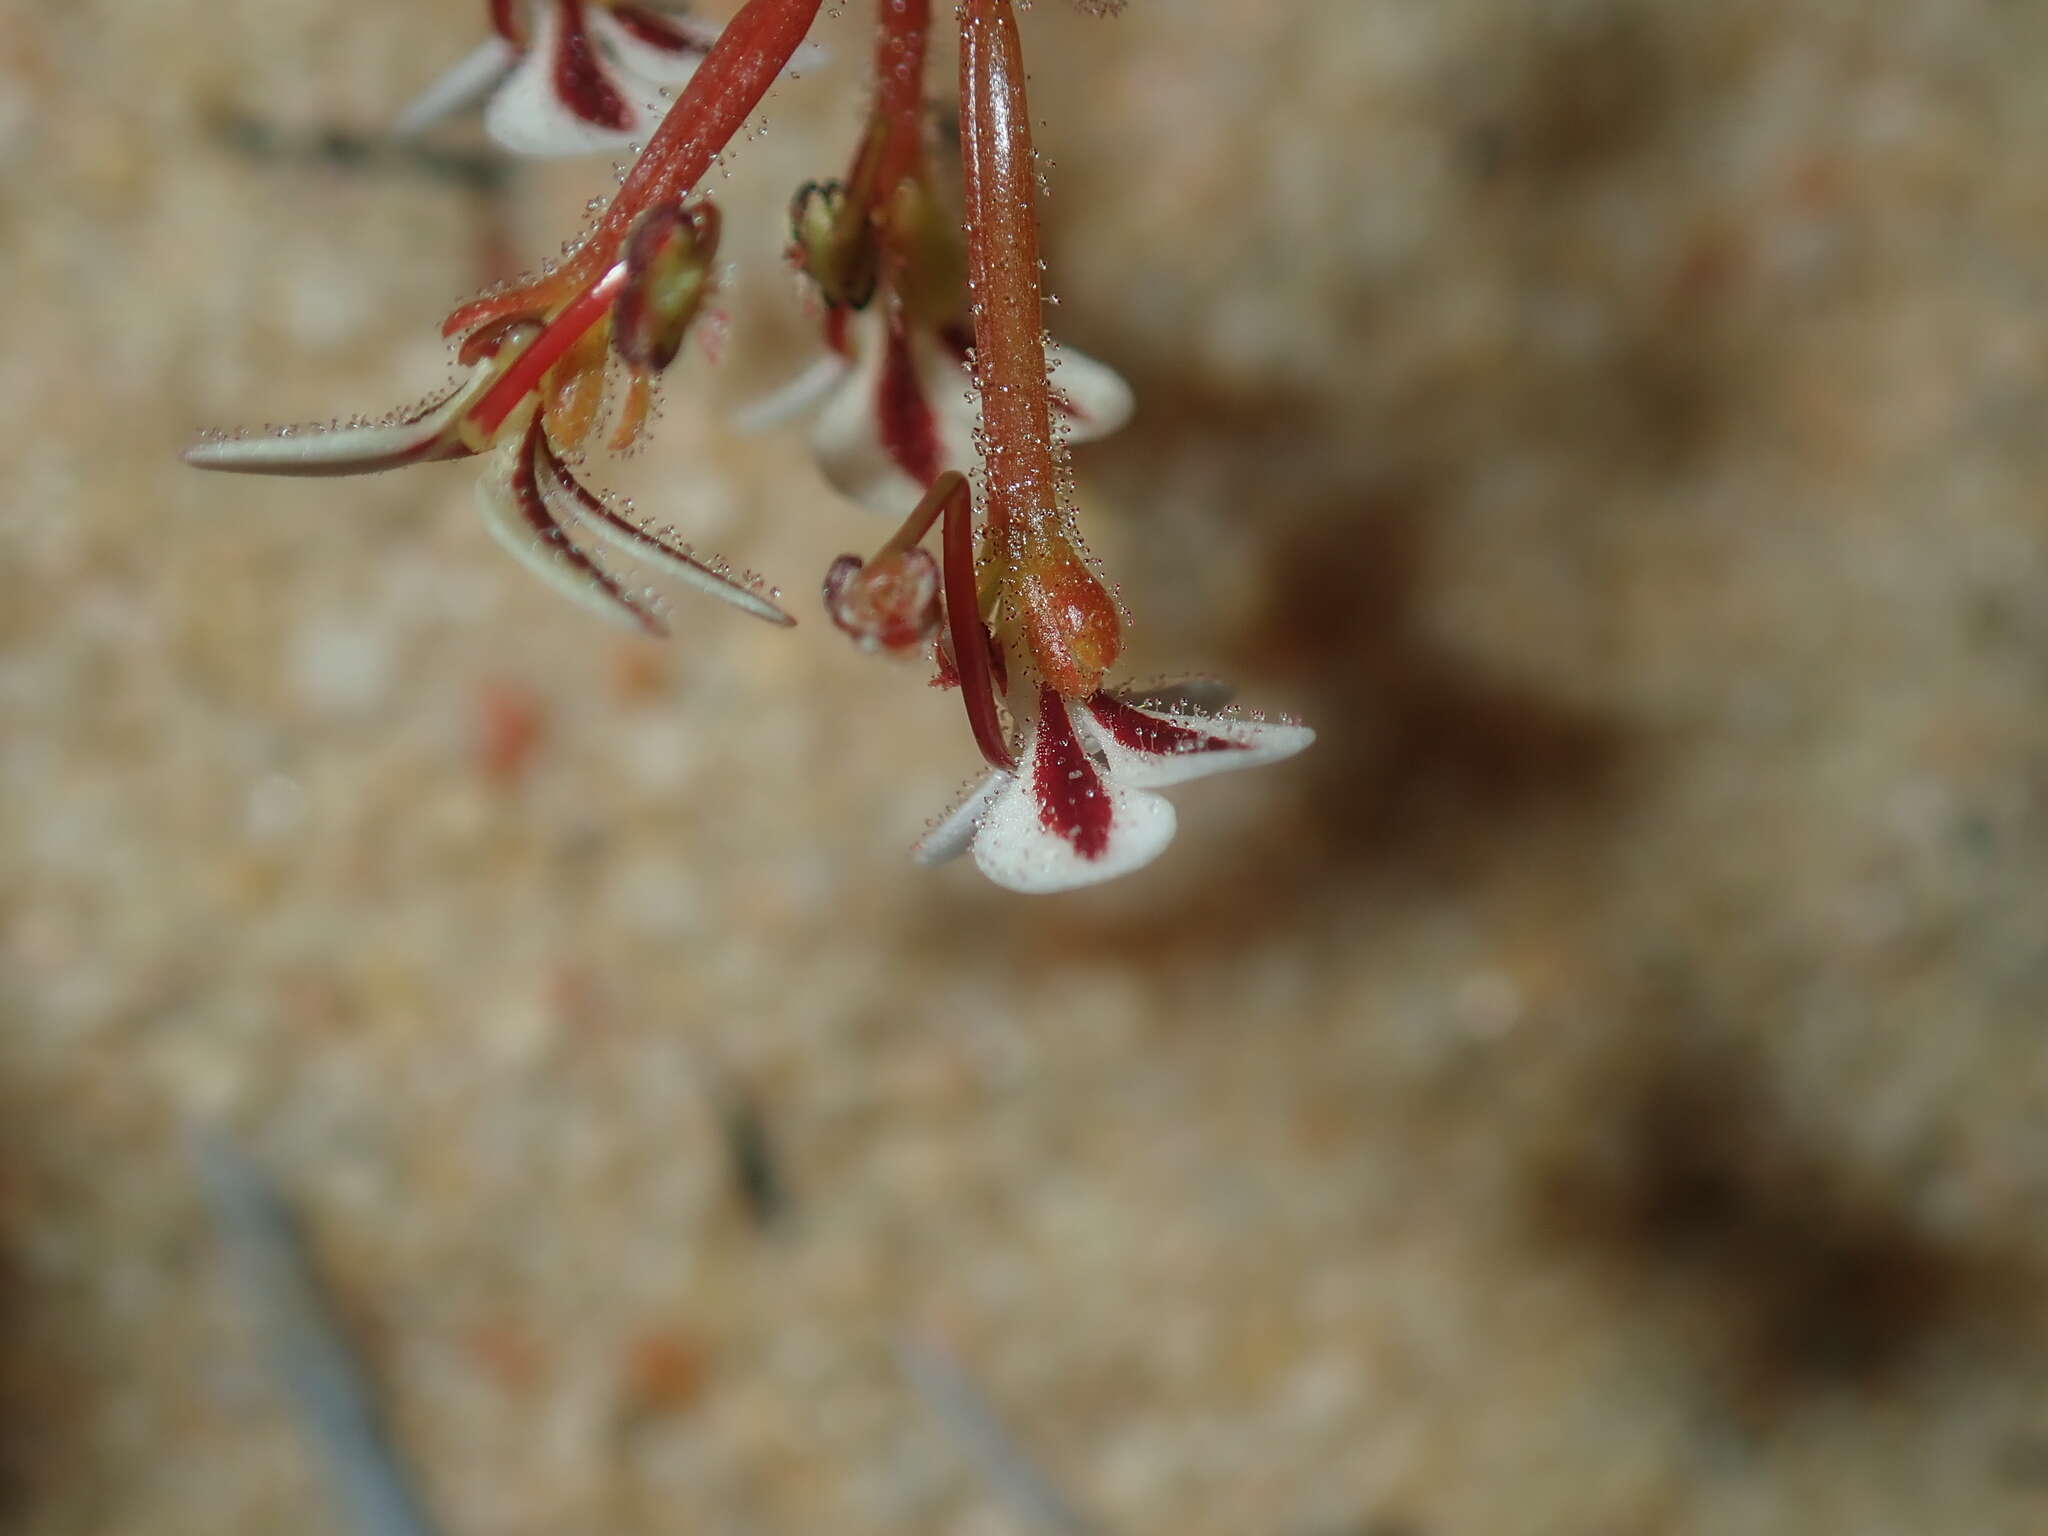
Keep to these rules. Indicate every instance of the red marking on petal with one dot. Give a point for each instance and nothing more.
(579, 75)
(526, 491)
(835, 330)
(505, 23)
(658, 31)
(1140, 732)
(910, 432)
(1072, 800)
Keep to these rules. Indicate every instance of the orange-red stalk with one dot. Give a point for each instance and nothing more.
(752, 50)
(899, 87)
(1002, 271)
(1069, 622)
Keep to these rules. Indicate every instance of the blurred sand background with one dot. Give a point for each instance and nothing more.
(1600, 1090)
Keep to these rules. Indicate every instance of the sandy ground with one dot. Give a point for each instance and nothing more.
(1601, 1090)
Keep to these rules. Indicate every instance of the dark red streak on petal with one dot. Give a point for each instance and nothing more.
(526, 490)
(835, 330)
(1140, 732)
(506, 25)
(1072, 802)
(658, 31)
(579, 76)
(910, 433)
(550, 463)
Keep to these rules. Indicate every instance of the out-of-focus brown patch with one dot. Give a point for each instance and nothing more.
(1422, 756)
(663, 1373)
(638, 671)
(507, 1352)
(1591, 87)
(42, 1392)
(1785, 1272)
(510, 723)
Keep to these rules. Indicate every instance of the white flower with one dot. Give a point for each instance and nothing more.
(1079, 808)
(580, 76)
(895, 404)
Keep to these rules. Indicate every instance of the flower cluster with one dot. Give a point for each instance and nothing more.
(918, 305)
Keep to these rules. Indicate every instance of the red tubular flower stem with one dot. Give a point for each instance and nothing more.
(1002, 272)
(964, 623)
(1069, 622)
(899, 87)
(562, 333)
(723, 93)
(928, 511)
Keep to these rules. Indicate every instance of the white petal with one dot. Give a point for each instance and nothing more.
(786, 402)
(1189, 695)
(847, 436)
(808, 56)
(361, 448)
(528, 116)
(574, 506)
(508, 496)
(1090, 398)
(1016, 848)
(949, 836)
(949, 389)
(1254, 742)
(464, 85)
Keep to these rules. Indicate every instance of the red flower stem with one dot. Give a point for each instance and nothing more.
(1068, 620)
(924, 514)
(723, 93)
(1003, 273)
(964, 623)
(562, 333)
(899, 88)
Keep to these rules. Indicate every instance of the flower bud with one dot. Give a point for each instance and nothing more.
(833, 244)
(891, 605)
(668, 258)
